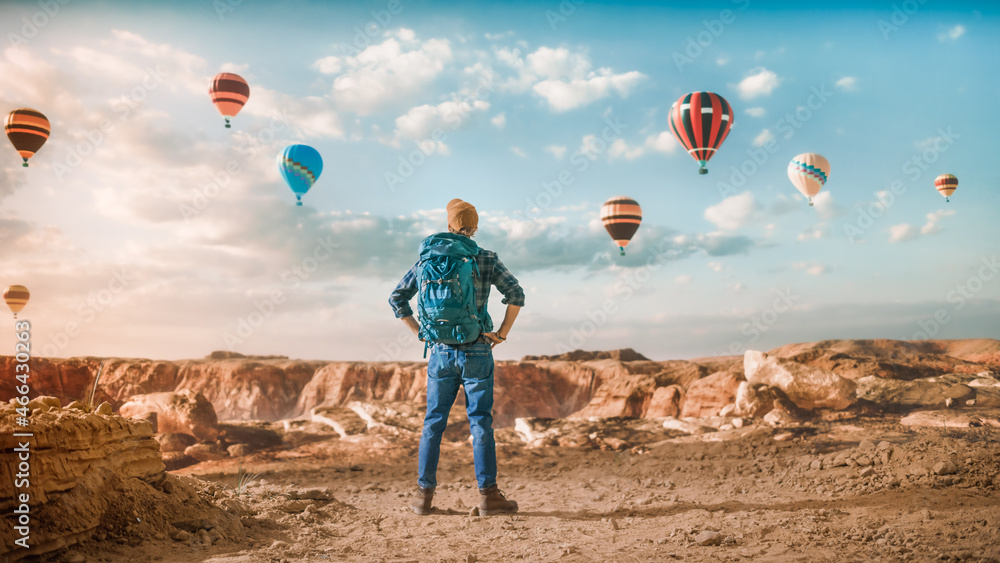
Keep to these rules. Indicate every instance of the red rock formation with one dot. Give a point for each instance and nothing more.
(889, 359)
(707, 396)
(184, 412)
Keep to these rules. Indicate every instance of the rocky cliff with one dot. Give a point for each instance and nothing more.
(580, 384)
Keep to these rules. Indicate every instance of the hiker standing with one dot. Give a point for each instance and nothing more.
(452, 279)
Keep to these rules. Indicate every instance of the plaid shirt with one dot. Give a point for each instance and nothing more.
(491, 272)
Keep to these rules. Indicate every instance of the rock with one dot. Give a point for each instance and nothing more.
(685, 426)
(343, 420)
(945, 468)
(755, 401)
(807, 387)
(151, 418)
(177, 460)
(104, 409)
(175, 441)
(709, 395)
(960, 393)
(474, 511)
(965, 418)
(816, 465)
(80, 462)
(784, 413)
(623, 355)
(863, 461)
(278, 544)
(708, 537)
(238, 450)
(180, 535)
(204, 452)
(867, 471)
(737, 423)
(184, 412)
(666, 401)
(73, 557)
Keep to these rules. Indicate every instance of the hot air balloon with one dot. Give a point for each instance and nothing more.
(229, 93)
(16, 297)
(701, 121)
(808, 172)
(621, 217)
(27, 130)
(301, 166)
(946, 184)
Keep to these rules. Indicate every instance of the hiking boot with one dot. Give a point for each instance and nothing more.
(492, 501)
(422, 504)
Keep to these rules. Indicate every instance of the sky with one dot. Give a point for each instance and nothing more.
(145, 228)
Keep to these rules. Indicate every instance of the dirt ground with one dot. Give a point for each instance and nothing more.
(859, 489)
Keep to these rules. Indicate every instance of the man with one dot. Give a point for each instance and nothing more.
(469, 364)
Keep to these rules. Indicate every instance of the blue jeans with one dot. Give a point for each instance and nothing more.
(470, 366)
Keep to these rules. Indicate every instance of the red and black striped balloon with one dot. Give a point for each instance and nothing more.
(229, 94)
(621, 217)
(27, 130)
(701, 121)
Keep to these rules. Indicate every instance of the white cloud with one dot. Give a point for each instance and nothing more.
(500, 120)
(933, 224)
(663, 142)
(952, 33)
(620, 149)
(556, 150)
(760, 82)
(756, 112)
(732, 212)
(904, 231)
(421, 122)
(683, 279)
(519, 152)
(847, 83)
(765, 137)
(813, 233)
(495, 36)
(563, 78)
(715, 266)
(722, 60)
(813, 269)
(386, 73)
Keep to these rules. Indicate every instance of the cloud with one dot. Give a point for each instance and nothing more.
(715, 266)
(904, 231)
(933, 224)
(519, 152)
(719, 244)
(765, 137)
(662, 142)
(953, 33)
(683, 279)
(722, 60)
(385, 74)
(557, 151)
(732, 212)
(760, 82)
(499, 120)
(565, 79)
(496, 36)
(813, 269)
(847, 83)
(813, 233)
(756, 112)
(620, 149)
(421, 122)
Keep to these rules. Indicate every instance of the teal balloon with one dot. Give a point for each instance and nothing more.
(301, 166)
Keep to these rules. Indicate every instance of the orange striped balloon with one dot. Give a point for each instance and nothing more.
(229, 94)
(621, 217)
(16, 297)
(27, 130)
(946, 184)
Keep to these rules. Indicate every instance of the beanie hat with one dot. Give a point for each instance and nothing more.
(462, 216)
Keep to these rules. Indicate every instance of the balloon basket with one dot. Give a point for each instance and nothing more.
(298, 203)
(946, 200)
(810, 203)
(703, 170)
(228, 125)
(622, 250)
(24, 164)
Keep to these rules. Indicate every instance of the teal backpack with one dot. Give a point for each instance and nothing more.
(446, 290)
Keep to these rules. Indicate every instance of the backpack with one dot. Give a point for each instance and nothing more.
(446, 290)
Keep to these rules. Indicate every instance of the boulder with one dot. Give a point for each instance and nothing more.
(755, 400)
(806, 386)
(709, 395)
(666, 401)
(185, 412)
(967, 418)
(899, 396)
(343, 420)
(175, 441)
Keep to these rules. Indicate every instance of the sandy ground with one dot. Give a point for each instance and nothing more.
(859, 489)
